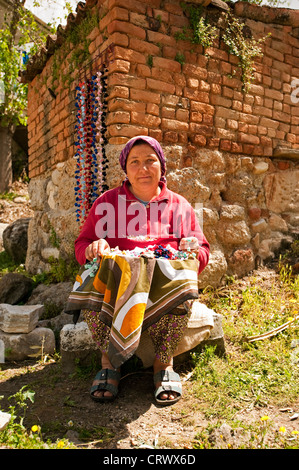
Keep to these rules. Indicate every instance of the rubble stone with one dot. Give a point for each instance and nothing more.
(19, 318)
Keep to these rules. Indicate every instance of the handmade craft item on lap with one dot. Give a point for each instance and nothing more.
(131, 292)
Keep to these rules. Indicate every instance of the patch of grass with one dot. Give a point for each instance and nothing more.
(16, 436)
(9, 195)
(7, 264)
(253, 375)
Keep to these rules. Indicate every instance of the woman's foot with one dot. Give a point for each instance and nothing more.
(166, 395)
(113, 381)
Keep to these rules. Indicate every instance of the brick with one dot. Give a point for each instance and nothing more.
(126, 80)
(145, 119)
(116, 130)
(195, 116)
(118, 141)
(201, 129)
(127, 28)
(195, 71)
(231, 82)
(217, 53)
(196, 95)
(144, 47)
(269, 123)
(203, 108)
(213, 142)
(143, 70)
(118, 117)
(171, 137)
(282, 165)
(279, 116)
(199, 140)
(182, 115)
(249, 139)
(174, 125)
(225, 145)
(129, 55)
(168, 113)
(160, 38)
(168, 64)
(132, 5)
(156, 133)
(119, 65)
(145, 96)
(120, 92)
(274, 94)
(236, 147)
(173, 8)
(162, 75)
(221, 101)
(163, 87)
(119, 39)
(169, 52)
(152, 109)
(268, 51)
(115, 13)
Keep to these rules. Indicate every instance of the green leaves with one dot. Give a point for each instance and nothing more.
(20, 32)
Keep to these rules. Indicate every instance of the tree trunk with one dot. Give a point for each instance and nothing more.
(5, 159)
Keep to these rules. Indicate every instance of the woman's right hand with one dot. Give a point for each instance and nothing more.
(96, 249)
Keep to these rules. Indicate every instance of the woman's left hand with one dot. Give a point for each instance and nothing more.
(189, 244)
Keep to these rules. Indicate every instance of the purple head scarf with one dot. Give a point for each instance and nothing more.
(147, 140)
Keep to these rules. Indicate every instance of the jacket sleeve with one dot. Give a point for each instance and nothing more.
(87, 236)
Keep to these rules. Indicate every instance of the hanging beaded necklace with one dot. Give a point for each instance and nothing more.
(91, 158)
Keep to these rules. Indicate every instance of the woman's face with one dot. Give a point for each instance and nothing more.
(143, 168)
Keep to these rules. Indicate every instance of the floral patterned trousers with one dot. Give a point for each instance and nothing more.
(165, 334)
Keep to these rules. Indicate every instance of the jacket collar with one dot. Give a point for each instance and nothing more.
(125, 190)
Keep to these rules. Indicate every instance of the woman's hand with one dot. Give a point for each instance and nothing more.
(96, 249)
(189, 244)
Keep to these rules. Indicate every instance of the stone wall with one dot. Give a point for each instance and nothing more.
(235, 153)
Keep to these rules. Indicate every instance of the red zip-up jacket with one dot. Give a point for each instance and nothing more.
(126, 222)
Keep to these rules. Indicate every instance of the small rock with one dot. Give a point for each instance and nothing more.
(4, 420)
(260, 168)
(294, 416)
(20, 200)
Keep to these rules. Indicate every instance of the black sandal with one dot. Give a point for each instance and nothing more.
(103, 385)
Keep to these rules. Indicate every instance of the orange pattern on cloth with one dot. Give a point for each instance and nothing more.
(131, 294)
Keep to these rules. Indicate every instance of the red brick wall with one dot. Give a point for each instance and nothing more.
(197, 104)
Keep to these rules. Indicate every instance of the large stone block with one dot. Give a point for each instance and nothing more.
(19, 347)
(282, 191)
(19, 318)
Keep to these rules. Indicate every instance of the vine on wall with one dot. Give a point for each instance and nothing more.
(231, 31)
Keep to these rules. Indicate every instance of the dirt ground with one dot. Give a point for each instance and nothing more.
(63, 408)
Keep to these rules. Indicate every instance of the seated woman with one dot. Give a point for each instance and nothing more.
(143, 161)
